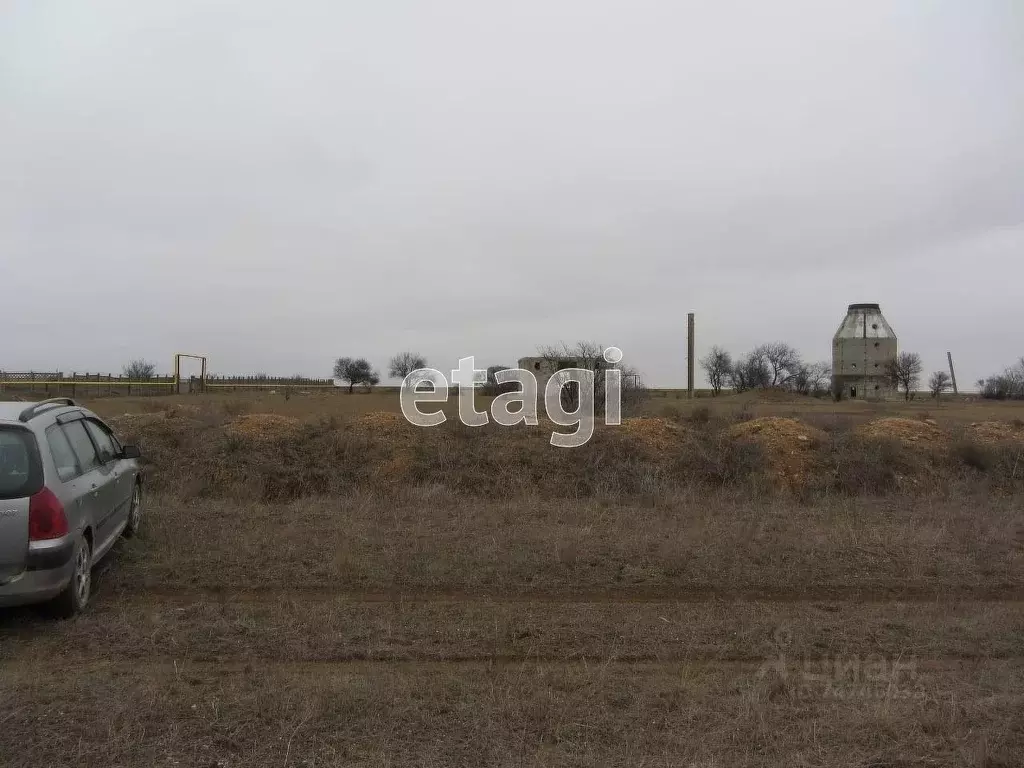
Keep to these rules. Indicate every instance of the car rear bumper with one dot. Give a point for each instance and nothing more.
(48, 570)
(35, 586)
(48, 555)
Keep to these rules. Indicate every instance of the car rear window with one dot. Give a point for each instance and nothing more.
(21, 472)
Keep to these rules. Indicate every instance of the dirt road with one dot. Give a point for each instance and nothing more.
(357, 633)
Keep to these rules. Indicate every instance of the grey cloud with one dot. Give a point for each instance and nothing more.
(277, 184)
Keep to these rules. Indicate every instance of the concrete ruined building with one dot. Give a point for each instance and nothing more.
(543, 368)
(860, 349)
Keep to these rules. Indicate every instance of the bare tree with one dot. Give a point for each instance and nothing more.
(810, 378)
(355, 371)
(1008, 385)
(585, 354)
(738, 377)
(783, 361)
(590, 355)
(938, 383)
(717, 365)
(820, 375)
(751, 371)
(634, 391)
(800, 380)
(491, 385)
(404, 363)
(904, 372)
(139, 370)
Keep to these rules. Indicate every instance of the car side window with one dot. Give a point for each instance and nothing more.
(117, 443)
(63, 456)
(104, 445)
(82, 445)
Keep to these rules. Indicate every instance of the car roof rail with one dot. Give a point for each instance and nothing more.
(36, 408)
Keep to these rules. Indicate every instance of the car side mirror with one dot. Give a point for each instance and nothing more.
(130, 452)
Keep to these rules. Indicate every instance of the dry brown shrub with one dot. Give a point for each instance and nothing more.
(173, 449)
(235, 407)
(713, 457)
(275, 457)
(830, 423)
(976, 454)
(382, 424)
(773, 395)
(131, 425)
(183, 410)
(390, 438)
(877, 466)
(155, 430)
(652, 434)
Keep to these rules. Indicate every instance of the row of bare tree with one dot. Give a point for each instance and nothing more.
(352, 370)
(904, 374)
(779, 366)
(1008, 385)
(769, 366)
(583, 354)
(357, 370)
(588, 355)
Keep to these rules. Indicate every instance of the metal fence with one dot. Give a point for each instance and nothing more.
(60, 384)
(262, 381)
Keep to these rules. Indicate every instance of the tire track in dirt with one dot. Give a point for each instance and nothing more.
(178, 667)
(346, 632)
(699, 594)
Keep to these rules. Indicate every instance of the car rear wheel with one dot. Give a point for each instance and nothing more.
(131, 528)
(76, 594)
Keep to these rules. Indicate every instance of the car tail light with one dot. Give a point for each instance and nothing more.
(46, 518)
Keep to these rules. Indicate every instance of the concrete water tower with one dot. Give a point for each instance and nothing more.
(860, 349)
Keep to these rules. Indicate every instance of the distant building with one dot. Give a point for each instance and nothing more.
(860, 349)
(543, 368)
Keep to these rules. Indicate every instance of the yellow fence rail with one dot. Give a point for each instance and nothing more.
(246, 385)
(85, 383)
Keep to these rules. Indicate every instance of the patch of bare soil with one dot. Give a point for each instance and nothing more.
(789, 446)
(995, 432)
(911, 432)
(263, 426)
(653, 434)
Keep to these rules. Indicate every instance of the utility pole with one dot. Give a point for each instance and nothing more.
(952, 375)
(689, 355)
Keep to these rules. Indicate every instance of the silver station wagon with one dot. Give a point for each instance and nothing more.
(68, 489)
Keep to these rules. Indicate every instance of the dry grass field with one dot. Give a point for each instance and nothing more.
(718, 583)
(665, 403)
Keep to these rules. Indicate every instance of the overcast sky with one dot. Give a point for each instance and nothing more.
(277, 184)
